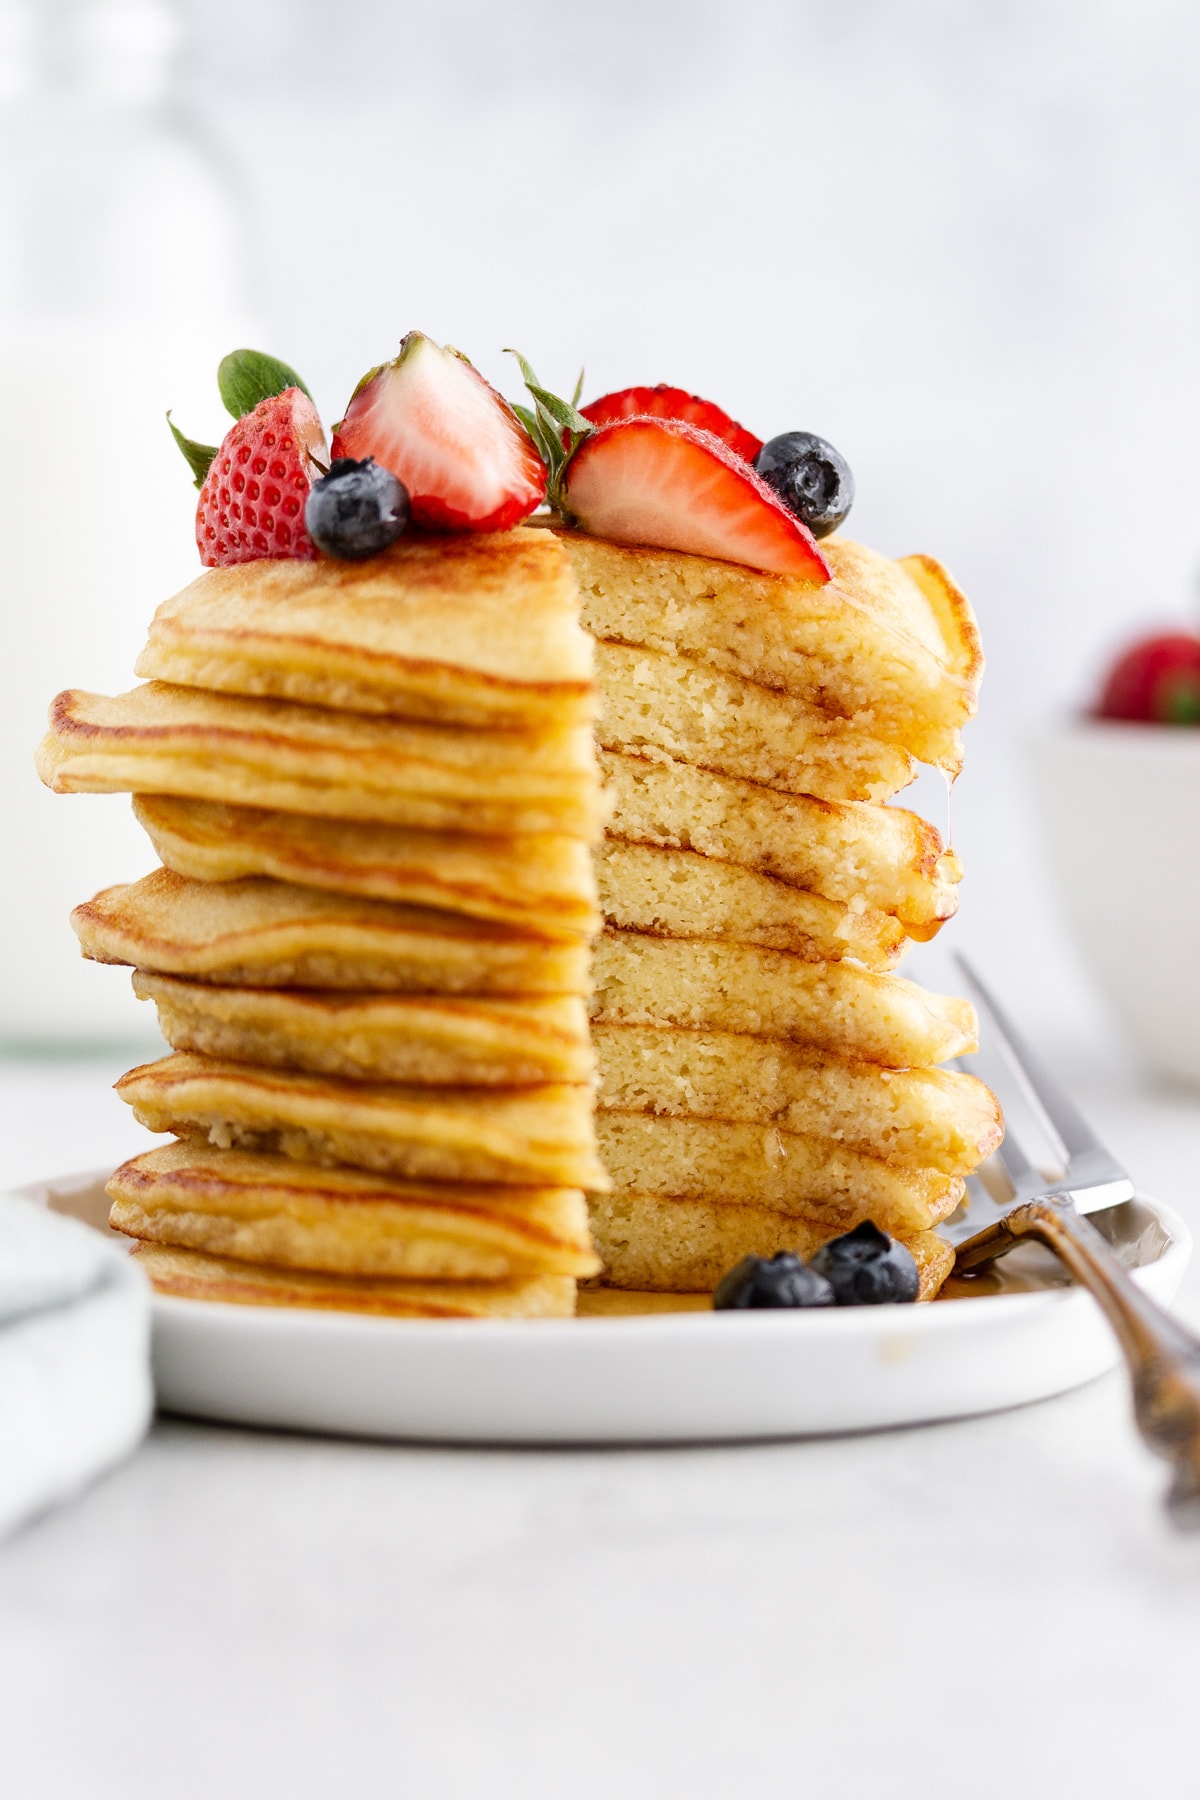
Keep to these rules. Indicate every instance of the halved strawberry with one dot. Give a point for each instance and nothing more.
(253, 497)
(467, 461)
(664, 483)
(664, 402)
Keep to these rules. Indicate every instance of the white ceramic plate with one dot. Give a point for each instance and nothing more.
(655, 1378)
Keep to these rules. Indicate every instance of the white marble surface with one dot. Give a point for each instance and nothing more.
(236, 1612)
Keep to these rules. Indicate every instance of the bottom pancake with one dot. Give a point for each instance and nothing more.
(190, 1275)
(656, 1243)
(266, 1209)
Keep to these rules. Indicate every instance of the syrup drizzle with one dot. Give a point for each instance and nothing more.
(949, 780)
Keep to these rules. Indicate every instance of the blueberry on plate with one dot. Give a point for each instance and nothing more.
(865, 1267)
(811, 478)
(356, 510)
(780, 1280)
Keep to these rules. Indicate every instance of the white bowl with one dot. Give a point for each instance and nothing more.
(1120, 808)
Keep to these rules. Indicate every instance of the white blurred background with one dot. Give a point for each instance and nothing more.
(961, 241)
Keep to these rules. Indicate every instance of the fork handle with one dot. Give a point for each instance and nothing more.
(1163, 1356)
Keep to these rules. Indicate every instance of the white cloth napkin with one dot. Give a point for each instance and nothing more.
(75, 1391)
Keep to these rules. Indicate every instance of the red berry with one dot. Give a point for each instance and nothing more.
(663, 483)
(664, 402)
(467, 461)
(1155, 682)
(252, 502)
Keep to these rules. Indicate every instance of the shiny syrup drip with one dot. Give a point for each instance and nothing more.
(949, 780)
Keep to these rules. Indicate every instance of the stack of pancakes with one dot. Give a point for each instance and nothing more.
(373, 789)
(765, 1082)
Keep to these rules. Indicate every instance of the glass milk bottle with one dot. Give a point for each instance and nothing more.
(119, 292)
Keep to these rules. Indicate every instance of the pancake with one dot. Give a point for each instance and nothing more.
(191, 1275)
(272, 934)
(528, 1137)
(679, 893)
(878, 857)
(266, 1209)
(654, 1243)
(762, 1165)
(890, 645)
(544, 882)
(838, 1007)
(474, 630)
(430, 1039)
(159, 739)
(919, 1118)
(655, 705)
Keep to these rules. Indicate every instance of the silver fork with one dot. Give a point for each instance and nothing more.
(1013, 1198)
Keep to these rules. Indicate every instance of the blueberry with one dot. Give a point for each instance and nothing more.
(811, 478)
(865, 1267)
(780, 1280)
(356, 510)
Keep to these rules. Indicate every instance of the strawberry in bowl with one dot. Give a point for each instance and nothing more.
(1155, 682)
(1119, 793)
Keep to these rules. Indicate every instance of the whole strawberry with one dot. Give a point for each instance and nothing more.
(255, 485)
(1155, 682)
(253, 498)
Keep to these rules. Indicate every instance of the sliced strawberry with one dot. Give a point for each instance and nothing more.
(467, 461)
(1155, 682)
(664, 402)
(663, 483)
(253, 497)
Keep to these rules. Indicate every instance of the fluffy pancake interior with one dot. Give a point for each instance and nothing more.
(869, 645)
(656, 704)
(681, 893)
(668, 1245)
(784, 1171)
(704, 985)
(878, 857)
(921, 1118)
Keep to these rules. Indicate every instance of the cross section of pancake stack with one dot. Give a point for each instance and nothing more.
(374, 793)
(765, 1082)
(366, 759)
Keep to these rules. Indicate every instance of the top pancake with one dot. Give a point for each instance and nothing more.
(468, 630)
(892, 645)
